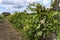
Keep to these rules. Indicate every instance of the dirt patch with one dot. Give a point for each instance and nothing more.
(7, 32)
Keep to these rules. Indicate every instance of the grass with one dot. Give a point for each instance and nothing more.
(58, 37)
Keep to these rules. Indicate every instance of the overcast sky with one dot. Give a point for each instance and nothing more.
(19, 5)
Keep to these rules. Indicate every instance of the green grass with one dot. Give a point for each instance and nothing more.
(58, 37)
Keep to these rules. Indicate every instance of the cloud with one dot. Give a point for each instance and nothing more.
(0, 1)
(13, 2)
(12, 6)
(46, 3)
(31, 1)
(7, 3)
(19, 5)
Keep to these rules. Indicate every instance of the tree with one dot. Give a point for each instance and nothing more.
(44, 17)
(56, 5)
(41, 25)
(6, 13)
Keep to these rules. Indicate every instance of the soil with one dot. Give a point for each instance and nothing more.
(7, 32)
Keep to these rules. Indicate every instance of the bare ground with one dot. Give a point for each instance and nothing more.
(7, 32)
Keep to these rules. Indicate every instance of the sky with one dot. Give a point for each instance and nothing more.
(19, 5)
